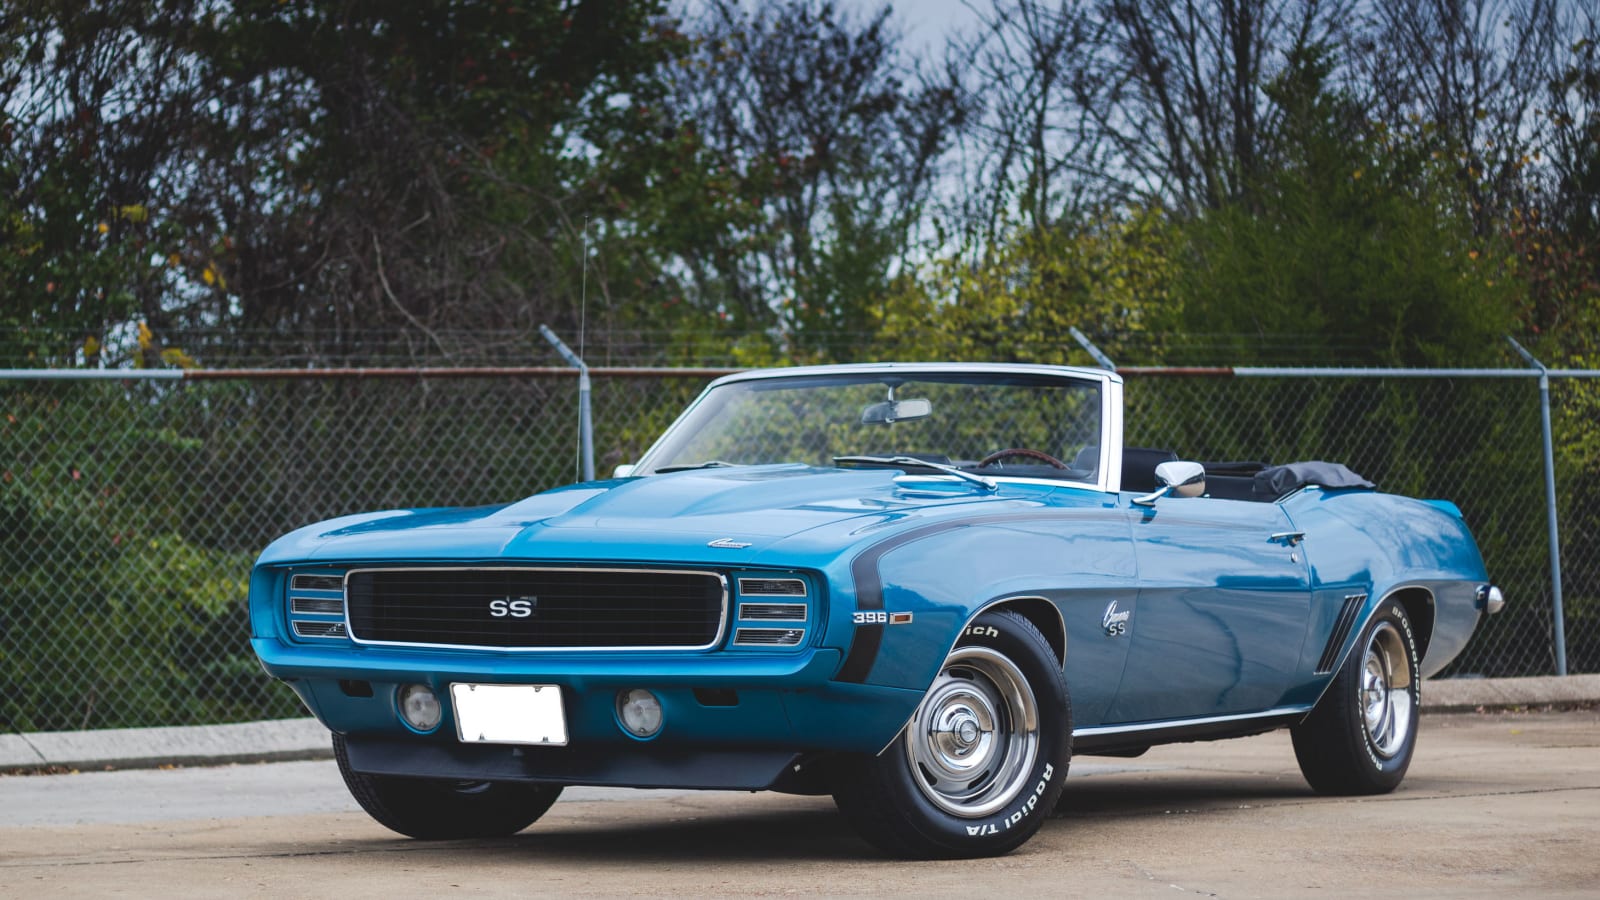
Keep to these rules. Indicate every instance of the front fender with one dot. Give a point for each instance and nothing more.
(931, 585)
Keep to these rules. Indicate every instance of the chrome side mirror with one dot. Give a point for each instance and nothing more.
(1178, 477)
(624, 470)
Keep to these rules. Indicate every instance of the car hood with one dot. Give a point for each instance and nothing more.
(725, 515)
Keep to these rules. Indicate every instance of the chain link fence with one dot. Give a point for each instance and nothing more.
(131, 510)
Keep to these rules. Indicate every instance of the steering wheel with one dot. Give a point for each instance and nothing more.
(1024, 452)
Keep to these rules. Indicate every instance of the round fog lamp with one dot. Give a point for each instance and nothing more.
(419, 706)
(640, 712)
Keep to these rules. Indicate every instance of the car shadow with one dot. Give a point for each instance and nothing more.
(726, 835)
(811, 829)
(1135, 795)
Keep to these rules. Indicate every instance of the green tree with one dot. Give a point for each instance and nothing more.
(820, 144)
(337, 178)
(1357, 248)
(1107, 276)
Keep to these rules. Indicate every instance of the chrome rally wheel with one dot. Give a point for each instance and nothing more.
(1387, 710)
(981, 763)
(974, 739)
(1360, 736)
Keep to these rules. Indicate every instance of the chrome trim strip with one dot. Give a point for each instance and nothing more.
(746, 617)
(1110, 478)
(740, 639)
(1100, 730)
(337, 631)
(910, 481)
(296, 608)
(743, 592)
(296, 585)
(722, 621)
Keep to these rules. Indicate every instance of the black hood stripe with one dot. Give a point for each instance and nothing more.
(867, 640)
(864, 645)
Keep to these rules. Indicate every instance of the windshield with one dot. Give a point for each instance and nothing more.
(960, 419)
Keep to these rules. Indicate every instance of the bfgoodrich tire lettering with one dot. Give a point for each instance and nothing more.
(1360, 737)
(983, 760)
(436, 809)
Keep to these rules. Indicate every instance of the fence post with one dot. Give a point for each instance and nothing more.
(1102, 360)
(1559, 625)
(585, 413)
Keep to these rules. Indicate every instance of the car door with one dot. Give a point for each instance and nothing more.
(1223, 597)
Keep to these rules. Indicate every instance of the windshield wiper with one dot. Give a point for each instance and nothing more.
(904, 461)
(708, 464)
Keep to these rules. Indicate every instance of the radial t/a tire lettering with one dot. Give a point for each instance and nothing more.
(438, 809)
(980, 765)
(1360, 737)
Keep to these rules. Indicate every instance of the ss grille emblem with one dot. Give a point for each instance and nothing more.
(513, 607)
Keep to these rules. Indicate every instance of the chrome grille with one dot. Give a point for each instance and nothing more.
(537, 608)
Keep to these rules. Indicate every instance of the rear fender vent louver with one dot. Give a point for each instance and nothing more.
(1341, 630)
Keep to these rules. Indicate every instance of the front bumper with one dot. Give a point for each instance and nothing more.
(729, 720)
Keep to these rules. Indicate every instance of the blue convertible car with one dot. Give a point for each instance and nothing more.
(920, 588)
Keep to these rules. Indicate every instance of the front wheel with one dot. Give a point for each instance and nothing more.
(983, 759)
(437, 809)
(1360, 736)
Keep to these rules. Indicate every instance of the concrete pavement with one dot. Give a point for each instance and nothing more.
(290, 739)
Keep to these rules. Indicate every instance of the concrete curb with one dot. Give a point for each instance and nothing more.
(286, 739)
(1466, 694)
(149, 748)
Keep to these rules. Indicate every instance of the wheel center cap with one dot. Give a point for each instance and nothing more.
(967, 731)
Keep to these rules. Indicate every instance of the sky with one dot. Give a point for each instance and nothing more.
(925, 23)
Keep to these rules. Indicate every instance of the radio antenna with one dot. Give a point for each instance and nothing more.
(584, 458)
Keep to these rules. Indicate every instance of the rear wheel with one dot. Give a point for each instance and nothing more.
(981, 763)
(1360, 737)
(438, 809)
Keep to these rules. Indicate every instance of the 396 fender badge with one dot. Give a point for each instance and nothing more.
(728, 544)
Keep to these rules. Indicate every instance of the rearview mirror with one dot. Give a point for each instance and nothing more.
(890, 411)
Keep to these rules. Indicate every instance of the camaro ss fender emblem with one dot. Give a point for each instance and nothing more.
(728, 544)
(1116, 623)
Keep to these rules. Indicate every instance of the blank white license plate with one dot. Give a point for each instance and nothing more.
(509, 714)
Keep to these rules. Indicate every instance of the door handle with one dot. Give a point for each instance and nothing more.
(1290, 538)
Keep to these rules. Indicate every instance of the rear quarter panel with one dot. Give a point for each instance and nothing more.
(1378, 544)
